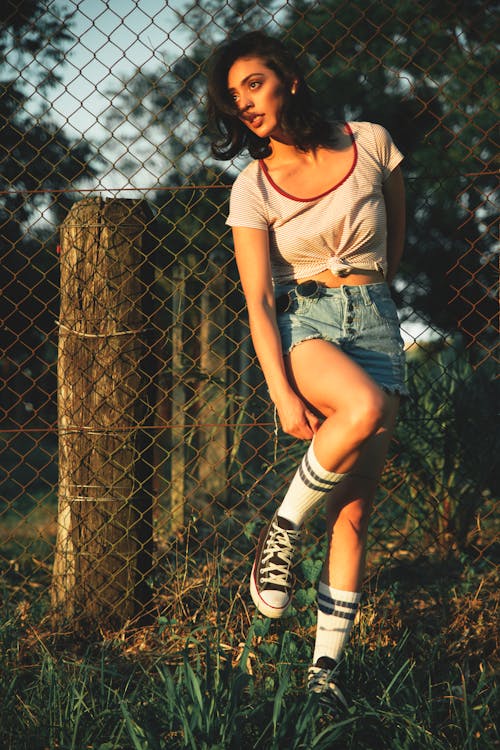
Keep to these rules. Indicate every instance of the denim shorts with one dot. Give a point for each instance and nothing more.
(361, 320)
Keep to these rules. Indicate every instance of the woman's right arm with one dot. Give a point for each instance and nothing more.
(252, 258)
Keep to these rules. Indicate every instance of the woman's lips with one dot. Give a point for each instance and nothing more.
(255, 120)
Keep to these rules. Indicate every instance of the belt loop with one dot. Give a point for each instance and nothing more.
(365, 294)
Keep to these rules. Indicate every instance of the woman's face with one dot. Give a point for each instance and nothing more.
(257, 93)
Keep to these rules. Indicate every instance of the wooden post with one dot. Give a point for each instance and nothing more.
(105, 401)
(213, 400)
(178, 431)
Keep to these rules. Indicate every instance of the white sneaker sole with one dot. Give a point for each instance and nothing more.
(264, 608)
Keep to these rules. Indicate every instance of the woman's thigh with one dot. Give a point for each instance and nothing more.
(327, 378)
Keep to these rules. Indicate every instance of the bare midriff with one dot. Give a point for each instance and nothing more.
(353, 278)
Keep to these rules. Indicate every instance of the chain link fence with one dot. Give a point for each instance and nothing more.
(138, 445)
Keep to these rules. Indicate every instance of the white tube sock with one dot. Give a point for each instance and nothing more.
(336, 613)
(310, 484)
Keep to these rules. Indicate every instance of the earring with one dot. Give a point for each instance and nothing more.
(293, 90)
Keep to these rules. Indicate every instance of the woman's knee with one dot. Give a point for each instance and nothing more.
(366, 415)
(354, 517)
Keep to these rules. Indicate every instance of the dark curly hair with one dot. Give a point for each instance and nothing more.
(300, 118)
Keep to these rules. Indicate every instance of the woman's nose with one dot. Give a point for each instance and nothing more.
(245, 102)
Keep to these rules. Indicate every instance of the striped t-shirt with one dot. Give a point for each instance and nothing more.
(342, 229)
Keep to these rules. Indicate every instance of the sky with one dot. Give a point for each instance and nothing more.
(112, 39)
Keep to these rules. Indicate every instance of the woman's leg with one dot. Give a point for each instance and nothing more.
(349, 507)
(336, 387)
(354, 409)
(353, 439)
(348, 511)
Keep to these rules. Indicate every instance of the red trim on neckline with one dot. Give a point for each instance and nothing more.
(321, 195)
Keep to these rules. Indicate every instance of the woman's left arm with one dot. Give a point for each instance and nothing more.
(395, 206)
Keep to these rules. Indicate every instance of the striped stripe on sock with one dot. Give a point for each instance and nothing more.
(336, 614)
(313, 480)
(330, 606)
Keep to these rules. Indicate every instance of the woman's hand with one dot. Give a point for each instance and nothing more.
(296, 418)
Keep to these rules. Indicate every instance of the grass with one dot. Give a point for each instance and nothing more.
(419, 673)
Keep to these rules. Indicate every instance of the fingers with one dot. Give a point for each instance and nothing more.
(303, 431)
(303, 426)
(296, 418)
(314, 421)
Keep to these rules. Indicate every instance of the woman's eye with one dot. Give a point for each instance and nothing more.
(254, 84)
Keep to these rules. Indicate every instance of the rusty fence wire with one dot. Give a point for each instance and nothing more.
(138, 446)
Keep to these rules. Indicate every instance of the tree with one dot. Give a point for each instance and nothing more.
(36, 157)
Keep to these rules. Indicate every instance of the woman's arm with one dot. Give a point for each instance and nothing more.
(394, 195)
(252, 258)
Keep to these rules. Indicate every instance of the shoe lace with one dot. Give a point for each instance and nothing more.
(321, 681)
(318, 679)
(277, 556)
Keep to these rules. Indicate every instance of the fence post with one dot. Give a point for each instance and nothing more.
(213, 397)
(105, 402)
(178, 432)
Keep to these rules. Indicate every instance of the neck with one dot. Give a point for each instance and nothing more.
(282, 151)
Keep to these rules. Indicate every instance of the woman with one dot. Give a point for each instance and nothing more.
(318, 226)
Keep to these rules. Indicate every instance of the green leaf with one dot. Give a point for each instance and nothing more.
(311, 569)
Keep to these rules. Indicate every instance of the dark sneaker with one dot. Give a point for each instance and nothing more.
(272, 578)
(321, 680)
